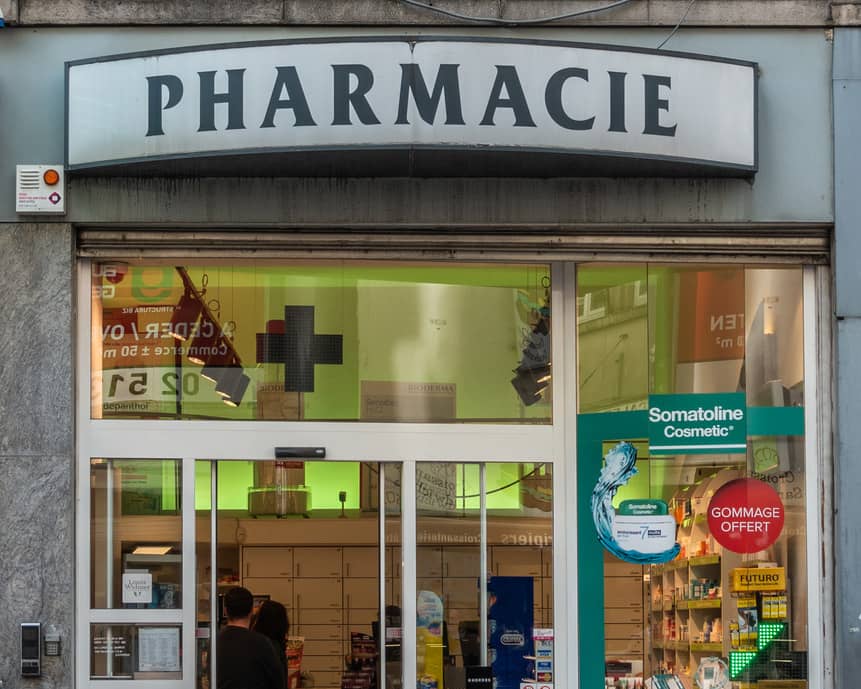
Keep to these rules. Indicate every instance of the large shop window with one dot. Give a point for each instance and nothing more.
(691, 476)
(321, 341)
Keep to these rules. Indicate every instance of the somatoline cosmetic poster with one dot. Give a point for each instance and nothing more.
(643, 531)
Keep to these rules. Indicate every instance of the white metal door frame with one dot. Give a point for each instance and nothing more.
(345, 441)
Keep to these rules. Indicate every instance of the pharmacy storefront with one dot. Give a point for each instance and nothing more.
(462, 453)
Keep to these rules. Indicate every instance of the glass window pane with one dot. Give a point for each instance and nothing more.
(519, 571)
(735, 332)
(322, 341)
(305, 535)
(393, 622)
(612, 334)
(135, 651)
(135, 534)
(205, 629)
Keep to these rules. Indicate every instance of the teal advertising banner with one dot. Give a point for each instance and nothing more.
(698, 423)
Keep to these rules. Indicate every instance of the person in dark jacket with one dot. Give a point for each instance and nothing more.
(246, 659)
(271, 621)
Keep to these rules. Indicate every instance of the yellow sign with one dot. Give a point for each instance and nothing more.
(745, 579)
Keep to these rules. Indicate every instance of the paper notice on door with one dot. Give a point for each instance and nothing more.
(158, 649)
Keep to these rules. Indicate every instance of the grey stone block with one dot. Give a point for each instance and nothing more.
(37, 510)
(392, 12)
(37, 376)
(228, 12)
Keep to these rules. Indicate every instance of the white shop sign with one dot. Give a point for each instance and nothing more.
(137, 587)
(411, 93)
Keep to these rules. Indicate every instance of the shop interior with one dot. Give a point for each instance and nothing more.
(308, 535)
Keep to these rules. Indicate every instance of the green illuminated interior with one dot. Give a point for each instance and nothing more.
(327, 479)
(461, 325)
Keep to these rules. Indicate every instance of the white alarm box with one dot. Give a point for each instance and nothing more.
(40, 189)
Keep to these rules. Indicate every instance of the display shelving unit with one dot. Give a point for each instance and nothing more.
(690, 608)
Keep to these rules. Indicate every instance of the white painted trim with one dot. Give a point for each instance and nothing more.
(482, 568)
(189, 572)
(408, 573)
(130, 683)
(136, 616)
(404, 444)
(213, 574)
(382, 632)
(565, 561)
(128, 439)
(817, 371)
(81, 633)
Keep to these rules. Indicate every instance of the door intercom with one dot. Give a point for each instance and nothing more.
(31, 649)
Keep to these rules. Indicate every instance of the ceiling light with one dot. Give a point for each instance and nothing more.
(152, 550)
(235, 394)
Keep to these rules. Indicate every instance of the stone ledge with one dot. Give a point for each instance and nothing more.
(846, 13)
(719, 13)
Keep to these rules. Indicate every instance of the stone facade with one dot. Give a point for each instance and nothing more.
(37, 444)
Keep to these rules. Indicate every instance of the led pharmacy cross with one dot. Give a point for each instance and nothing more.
(739, 661)
(292, 342)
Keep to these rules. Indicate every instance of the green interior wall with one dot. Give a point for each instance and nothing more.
(401, 323)
(327, 479)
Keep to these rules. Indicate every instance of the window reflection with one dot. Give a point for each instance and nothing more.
(321, 340)
(136, 534)
(684, 330)
(518, 574)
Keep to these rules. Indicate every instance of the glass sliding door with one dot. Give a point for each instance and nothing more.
(136, 572)
(306, 535)
(443, 375)
(484, 568)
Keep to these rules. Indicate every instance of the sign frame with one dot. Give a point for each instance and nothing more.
(387, 157)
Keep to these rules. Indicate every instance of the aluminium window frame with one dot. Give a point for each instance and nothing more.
(404, 443)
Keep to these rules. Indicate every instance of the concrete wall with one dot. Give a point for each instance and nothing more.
(383, 12)
(847, 255)
(793, 182)
(37, 444)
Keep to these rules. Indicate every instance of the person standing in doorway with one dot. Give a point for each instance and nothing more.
(271, 621)
(246, 659)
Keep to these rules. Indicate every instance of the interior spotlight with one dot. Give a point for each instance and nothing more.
(185, 316)
(532, 375)
(216, 364)
(234, 396)
(530, 383)
(206, 343)
(229, 379)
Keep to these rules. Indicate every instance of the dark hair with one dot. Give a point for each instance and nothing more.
(271, 621)
(238, 603)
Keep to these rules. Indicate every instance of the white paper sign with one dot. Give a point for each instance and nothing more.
(645, 534)
(158, 649)
(137, 587)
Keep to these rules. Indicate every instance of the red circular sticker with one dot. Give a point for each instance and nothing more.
(745, 515)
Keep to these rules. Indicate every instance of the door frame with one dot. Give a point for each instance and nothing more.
(404, 443)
